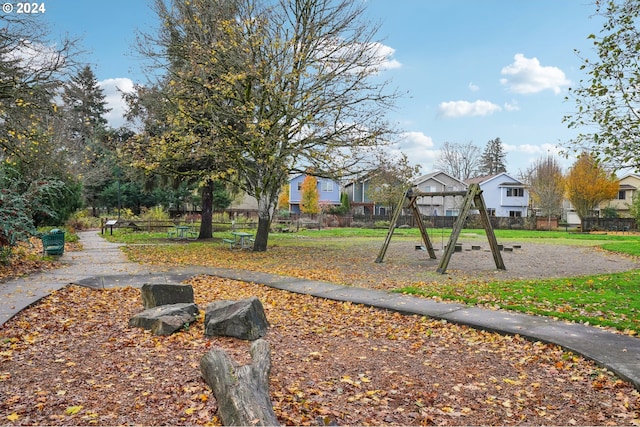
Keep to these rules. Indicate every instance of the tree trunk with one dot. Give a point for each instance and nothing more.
(206, 227)
(241, 392)
(264, 224)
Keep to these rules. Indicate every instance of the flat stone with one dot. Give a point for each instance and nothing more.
(154, 295)
(165, 319)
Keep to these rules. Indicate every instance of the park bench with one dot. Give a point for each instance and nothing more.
(53, 242)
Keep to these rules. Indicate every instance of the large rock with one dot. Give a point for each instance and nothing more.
(154, 295)
(165, 319)
(244, 319)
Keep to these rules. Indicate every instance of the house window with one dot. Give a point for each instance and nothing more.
(452, 212)
(515, 214)
(299, 185)
(622, 194)
(515, 192)
(491, 211)
(327, 185)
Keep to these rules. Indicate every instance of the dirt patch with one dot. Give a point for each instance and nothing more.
(404, 265)
(522, 261)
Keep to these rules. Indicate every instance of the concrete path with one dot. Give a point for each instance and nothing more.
(102, 265)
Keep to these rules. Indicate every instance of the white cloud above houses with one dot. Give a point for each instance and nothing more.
(419, 149)
(455, 109)
(527, 76)
(113, 90)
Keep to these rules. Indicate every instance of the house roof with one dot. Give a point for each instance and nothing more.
(433, 176)
(512, 184)
(487, 178)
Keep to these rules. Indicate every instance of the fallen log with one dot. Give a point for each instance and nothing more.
(242, 392)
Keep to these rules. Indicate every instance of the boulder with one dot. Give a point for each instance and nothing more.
(244, 319)
(154, 295)
(165, 319)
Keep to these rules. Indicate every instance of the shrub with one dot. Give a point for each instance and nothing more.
(22, 202)
(156, 213)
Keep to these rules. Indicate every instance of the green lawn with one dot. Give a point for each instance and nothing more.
(607, 300)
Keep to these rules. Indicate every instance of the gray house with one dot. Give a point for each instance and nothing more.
(439, 205)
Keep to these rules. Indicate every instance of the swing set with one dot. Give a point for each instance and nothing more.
(472, 197)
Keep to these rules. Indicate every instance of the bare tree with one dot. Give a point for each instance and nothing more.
(461, 161)
(546, 186)
(260, 89)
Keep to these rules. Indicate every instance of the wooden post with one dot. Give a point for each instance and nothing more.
(457, 227)
(392, 226)
(423, 230)
(491, 236)
(474, 196)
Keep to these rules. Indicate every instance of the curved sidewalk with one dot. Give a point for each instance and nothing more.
(102, 265)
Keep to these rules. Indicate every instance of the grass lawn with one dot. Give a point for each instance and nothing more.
(608, 300)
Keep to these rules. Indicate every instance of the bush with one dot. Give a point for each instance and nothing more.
(156, 213)
(25, 204)
(82, 220)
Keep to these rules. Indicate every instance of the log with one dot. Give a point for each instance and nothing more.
(241, 392)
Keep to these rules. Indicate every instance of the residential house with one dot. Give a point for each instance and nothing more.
(361, 204)
(439, 205)
(629, 185)
(504, 196)
(328, 191)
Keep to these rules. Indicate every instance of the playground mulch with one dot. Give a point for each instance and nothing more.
(522, 261)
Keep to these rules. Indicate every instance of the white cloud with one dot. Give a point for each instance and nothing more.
(511, 106)
(113, 91)
(526, 75)
(385, 53)
(419, 149)
(473, 87)
(453, 109)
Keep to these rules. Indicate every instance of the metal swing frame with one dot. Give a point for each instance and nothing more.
(472, 197)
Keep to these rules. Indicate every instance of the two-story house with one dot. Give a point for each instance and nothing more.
(328, 192)
(358, 193)
(503, 195)
(439, 205)
(629, 185)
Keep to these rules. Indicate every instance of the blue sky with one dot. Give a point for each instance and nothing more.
(472, 70)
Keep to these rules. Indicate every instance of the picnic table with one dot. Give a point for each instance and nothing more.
(182, 232)
(241, 239)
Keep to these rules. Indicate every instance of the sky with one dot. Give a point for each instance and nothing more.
(470, 70)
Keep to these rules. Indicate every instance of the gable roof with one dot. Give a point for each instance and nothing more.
(507, 179)
(433, 176)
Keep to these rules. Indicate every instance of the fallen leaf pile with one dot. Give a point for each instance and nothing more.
(26, 259)
(72, 360)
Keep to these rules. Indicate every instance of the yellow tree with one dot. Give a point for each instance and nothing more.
(588, 184)
(283, 198)
(309, 196)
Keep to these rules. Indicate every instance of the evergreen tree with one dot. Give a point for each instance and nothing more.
(84, 134)
(493, 158)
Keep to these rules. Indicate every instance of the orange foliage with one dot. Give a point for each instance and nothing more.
(309, 197)
(588, 184)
